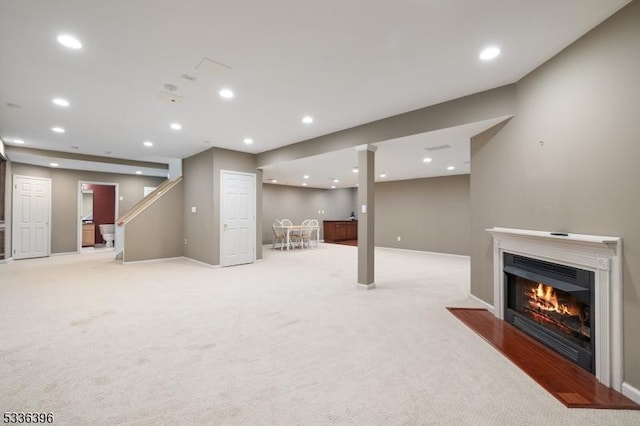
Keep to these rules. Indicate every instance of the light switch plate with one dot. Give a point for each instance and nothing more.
(194, 209)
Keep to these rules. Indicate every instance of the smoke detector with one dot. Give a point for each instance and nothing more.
(170, 98)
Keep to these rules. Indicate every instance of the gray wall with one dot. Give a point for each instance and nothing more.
(430, 214)
(157, 233)
(584, 104)
(202, 189)
(64, 198)
(297, 203)
(198, 192)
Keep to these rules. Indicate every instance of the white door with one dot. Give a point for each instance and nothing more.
(237, 218)
(31, 216)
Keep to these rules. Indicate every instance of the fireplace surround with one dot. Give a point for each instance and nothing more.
(600, 256)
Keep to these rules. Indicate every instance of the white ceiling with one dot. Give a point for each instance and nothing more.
(343, 62)
(398, 159)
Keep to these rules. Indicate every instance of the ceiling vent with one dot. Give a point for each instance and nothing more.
(188, 77)
(437, 148)
(213, 68)
(170, 98)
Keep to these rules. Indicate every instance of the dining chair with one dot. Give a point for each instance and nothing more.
(293, 235)
(315, 231)
(306, 234)
(278, 234)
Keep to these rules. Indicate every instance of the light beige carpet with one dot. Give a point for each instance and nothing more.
(285, 341)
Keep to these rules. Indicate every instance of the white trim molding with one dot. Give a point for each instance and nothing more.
(366, 147)
(162, 259)
(599, 254)
(631, 392)
(199, 262)
(366, 286)
(486, 305)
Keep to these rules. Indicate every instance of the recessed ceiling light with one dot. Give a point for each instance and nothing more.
(307, 119)
(248, 141)
(382, 175)
(336, 181)
(147, 143)
(54, 164)
(138, 172)
(355, 170)
(18, 141)
(61, 102)
(57, 129)
(451, 168)
(274, 180)
(426, 160)
(226, 93)
(490, 53)
(176, 126)
(12, 105)
(69, 41)
(306, 176)
(74, 147)
(108, 152)
(333, 187)
(304, 183)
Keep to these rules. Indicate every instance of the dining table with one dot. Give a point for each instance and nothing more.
(288, 229)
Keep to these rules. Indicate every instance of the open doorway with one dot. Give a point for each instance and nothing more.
(97, 213)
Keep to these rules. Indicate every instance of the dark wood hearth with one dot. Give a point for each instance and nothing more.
(570, 384)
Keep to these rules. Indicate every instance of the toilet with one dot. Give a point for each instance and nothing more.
(108, 233)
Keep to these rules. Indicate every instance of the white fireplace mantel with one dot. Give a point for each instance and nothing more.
(600, 254)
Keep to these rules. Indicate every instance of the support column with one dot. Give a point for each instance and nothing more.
(366, 240)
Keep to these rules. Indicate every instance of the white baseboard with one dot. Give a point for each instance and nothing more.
(424, 251)
(366, 286)
(201, 263)
(6, 260)
(631, 392)
(64, 253)
(164, 259)
(489, 307)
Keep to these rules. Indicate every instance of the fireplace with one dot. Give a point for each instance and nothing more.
(600, 302)
(552, 303)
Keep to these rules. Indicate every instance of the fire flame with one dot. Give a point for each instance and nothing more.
(544, 298)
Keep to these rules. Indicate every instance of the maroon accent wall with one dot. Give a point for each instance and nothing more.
(104, 206)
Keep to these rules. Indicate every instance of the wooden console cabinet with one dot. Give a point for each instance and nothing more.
(88, 234)
(340, 230)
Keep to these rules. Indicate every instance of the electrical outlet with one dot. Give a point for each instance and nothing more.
(398, 237)
(185, 241)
